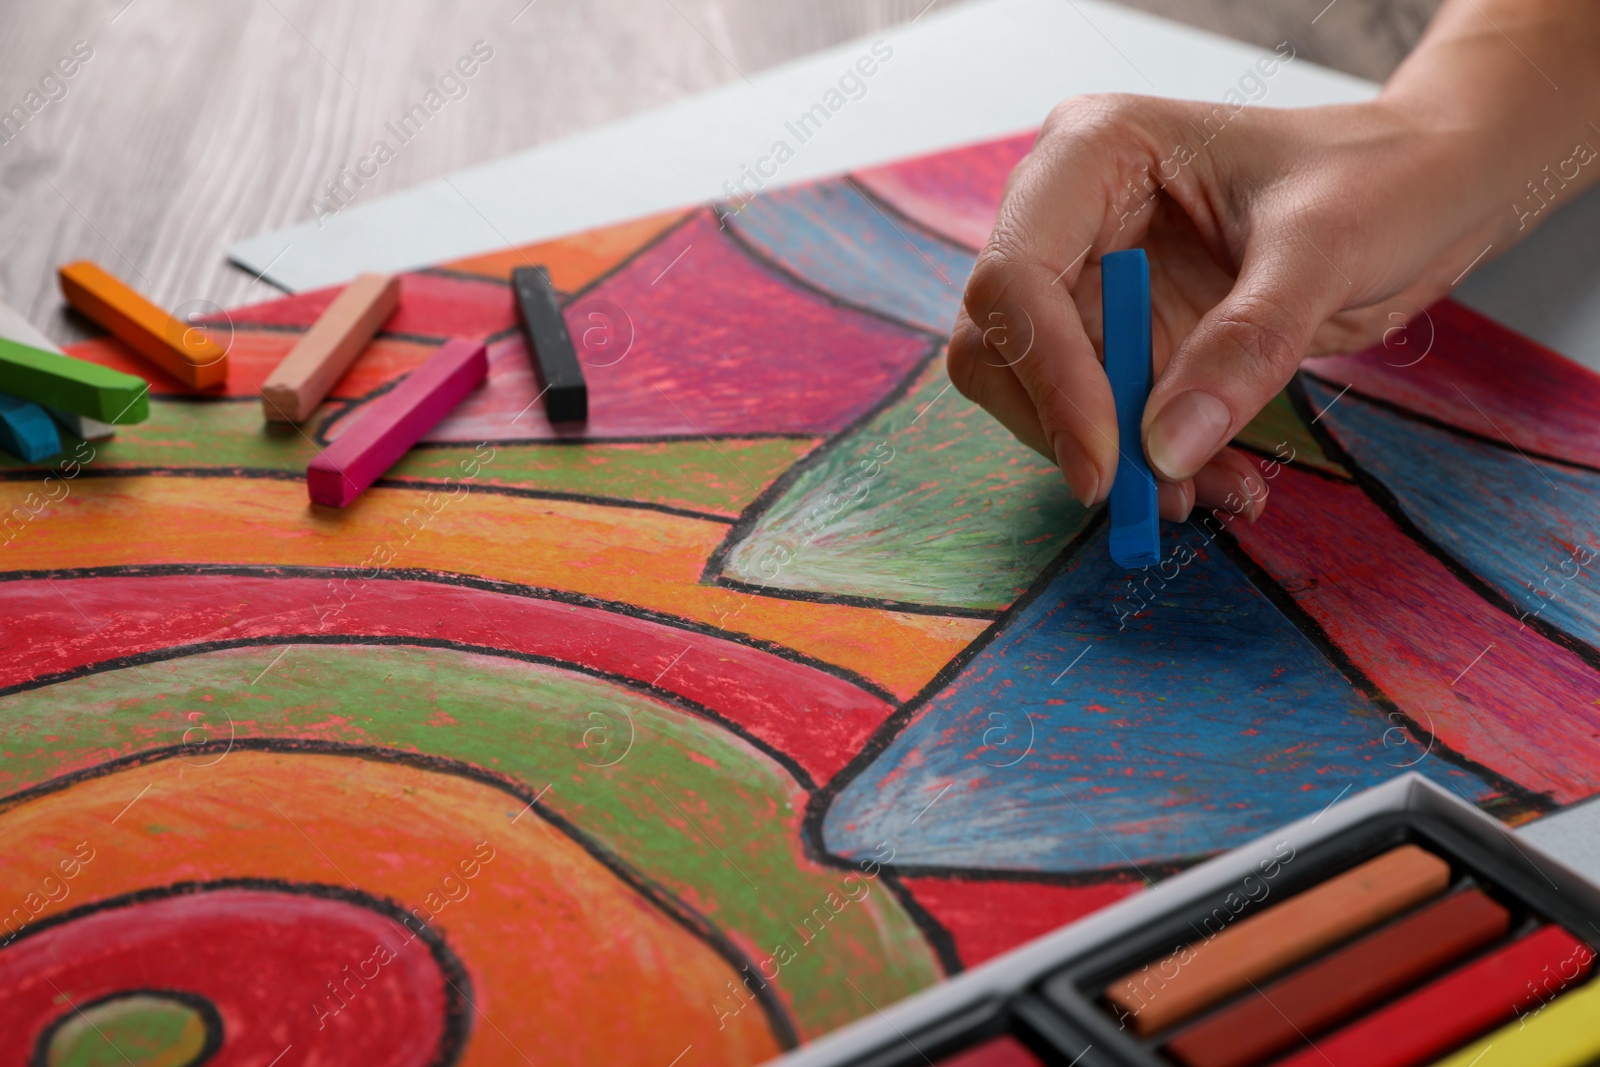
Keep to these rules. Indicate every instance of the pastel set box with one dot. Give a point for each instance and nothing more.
(1399, 928)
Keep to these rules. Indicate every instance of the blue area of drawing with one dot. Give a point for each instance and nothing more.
(1070, 744)
(1125, 293)
(26, 430)
(1530, 529)
(843, 243)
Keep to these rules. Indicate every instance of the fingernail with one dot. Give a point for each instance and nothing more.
(1244, 499)
(1082, 476)
(1258, 500)
(1085, 482)
(1186, 432)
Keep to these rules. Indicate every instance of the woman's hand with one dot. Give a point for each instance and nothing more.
(1272, 234)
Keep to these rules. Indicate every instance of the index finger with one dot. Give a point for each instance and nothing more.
(1068, 202)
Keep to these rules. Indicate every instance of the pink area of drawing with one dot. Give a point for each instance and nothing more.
(507, 408)
(390, 425)
(717, 338)
(815, 718)
(1493, 690)
(954, 193)
(1480, 377)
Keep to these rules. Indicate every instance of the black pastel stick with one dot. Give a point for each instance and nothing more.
(566, 397)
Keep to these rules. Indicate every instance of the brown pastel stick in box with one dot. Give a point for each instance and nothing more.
(316, 363)
(1394, 959)
(1207, 971)
(177, 347)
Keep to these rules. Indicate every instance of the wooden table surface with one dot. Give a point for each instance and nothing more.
(192, 124)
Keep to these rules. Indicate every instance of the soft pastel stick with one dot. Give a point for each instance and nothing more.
(26, 430)
(82, 425)
(1564, 1033)
(13, 327)
(1339, 986)
(388, 427)
(73, 385)
(1125, 303)
(566, 394)
(1418, 1028)
(180, 349)
(319, 359)
(1204, 972)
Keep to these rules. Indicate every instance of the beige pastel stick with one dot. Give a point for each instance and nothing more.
(313, 366)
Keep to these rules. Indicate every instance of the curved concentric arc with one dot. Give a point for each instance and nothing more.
(806, 718)
(703, 815)
(253, 898)
(266, 787)
(201, 1006)
(647, 560)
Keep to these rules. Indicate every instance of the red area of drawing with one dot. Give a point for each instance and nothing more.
(432, 305)
(251, 356)
(1481, 377)
(1417, 631)
(264, 961)
(818, 719)
(956, 193)
(986, 918)
(1004, 1051)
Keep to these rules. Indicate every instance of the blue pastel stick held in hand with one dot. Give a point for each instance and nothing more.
(1125, 300)
(26, 430)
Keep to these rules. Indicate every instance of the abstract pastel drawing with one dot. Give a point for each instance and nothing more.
(786, 687)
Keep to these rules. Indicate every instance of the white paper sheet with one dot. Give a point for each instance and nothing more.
(1572, 836)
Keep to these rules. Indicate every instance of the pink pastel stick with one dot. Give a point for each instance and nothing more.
(394, 422)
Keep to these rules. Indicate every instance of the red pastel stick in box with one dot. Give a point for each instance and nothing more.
(1442, 1015)
(394, 422)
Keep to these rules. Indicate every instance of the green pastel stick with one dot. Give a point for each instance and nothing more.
(74, 385)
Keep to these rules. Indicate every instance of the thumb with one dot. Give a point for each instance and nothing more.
(1240, 354)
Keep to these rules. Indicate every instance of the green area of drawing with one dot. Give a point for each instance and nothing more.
(1279, 431)
(699, 811)
(960, 514)
(699, 475)
(137, 1030)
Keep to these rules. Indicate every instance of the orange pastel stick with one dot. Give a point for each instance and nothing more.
(1205, 972)
(316, 363)
(182, 350)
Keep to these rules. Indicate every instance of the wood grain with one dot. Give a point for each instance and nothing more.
(193, 125)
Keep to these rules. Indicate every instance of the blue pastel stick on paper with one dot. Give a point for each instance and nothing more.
(26, 430)
(1125, 301)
